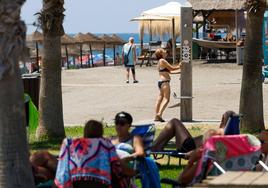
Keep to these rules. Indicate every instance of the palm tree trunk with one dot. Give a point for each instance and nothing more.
(251, 98)
(15, 170)
(51, 115)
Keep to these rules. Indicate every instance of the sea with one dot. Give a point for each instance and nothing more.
(125, 36)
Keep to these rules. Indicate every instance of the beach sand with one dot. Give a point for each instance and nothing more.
(99, 93)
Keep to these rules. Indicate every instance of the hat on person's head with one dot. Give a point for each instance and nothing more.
(123, 118)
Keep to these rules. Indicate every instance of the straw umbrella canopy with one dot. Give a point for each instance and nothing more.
(67, 40)
(81, 39)
(36, 37)
(108, 41)
(93, 40)
(117, 41)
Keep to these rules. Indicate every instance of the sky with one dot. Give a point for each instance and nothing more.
(95, 16)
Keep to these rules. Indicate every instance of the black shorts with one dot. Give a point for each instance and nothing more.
(188, 145)
(130, 66)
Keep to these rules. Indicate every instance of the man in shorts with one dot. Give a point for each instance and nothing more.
(129, 58)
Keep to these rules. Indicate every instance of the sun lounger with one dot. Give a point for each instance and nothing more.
(226, 153)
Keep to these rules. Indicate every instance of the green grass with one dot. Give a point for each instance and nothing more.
(166, 171)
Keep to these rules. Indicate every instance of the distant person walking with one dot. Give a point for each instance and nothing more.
(164, 69)
(129, 58)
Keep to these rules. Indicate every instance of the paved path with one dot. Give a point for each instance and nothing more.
(101, 92)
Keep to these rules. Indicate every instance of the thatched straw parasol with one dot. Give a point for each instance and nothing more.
(81, 39)
(67, 40)
(217, 5)
(36, 37)
(93, 40)
(117, 41)
(108, 41)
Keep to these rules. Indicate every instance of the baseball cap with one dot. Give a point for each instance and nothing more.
(123, 118)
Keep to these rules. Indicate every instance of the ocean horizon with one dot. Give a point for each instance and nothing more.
(125, 37)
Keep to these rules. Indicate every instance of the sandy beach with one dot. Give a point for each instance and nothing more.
(100, 93)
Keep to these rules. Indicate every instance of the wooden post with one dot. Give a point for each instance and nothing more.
(114, 54)
(81, 54)
(104, 54)
(186, 56)
(88, 59)
(173, 42)
(37, 55)
(91, 54)
(67, 56)
(197, 30)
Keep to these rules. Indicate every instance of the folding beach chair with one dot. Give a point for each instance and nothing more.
(149, 173)
(231, 128)
(147, 132)
(226, 153)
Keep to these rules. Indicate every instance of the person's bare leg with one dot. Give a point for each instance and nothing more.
(166, 97)
(158, 102)
(133, 73)
(44, 159)
(127, 74)
(173, 128)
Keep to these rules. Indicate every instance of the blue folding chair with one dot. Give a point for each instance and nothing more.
(149, 173)
(232, 125)
(147, 132)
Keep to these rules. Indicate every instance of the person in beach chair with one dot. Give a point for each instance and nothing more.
(136, 144)
(184, 141)
(91, 161)
(262, 165)
(220, 153)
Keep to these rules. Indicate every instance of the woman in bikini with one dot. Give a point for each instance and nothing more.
(164, 69)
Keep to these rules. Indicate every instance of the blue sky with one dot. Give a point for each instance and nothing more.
(95, 16)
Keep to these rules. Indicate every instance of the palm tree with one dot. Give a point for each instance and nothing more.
(51, 116)
(15, 171)
(251, 98)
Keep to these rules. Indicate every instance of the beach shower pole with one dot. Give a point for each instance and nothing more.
(186, 57)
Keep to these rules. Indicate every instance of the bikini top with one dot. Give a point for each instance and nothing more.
(164, 70)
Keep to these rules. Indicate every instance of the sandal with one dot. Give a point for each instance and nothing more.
(158, 118)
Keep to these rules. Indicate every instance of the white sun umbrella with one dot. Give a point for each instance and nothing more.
(150, 18)
(171, 10)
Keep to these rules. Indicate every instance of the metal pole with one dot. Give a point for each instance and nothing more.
(173, 41)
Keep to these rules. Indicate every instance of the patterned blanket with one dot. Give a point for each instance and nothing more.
(85, 159)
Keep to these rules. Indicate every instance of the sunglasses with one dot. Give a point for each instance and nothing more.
(264, 142)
